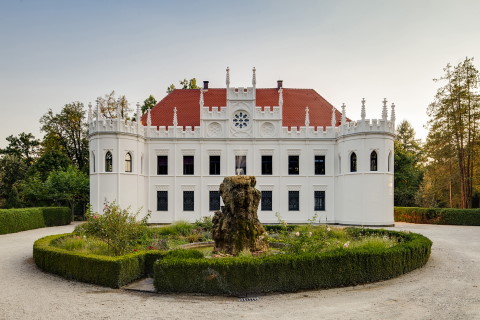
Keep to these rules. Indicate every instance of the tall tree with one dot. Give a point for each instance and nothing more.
(25, 147)
(68, 132)
(454, 123)
(408, 167)
(186, 84)
(148, 104)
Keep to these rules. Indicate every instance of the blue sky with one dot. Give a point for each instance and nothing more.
(57, 52)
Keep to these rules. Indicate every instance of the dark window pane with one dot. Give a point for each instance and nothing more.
(319, 164)
(266, 201)
(162, 164)
(267, 168)
(188, 201)
(188, 165)
(293, 164)
(293, 200)
(214, 165)
(353, 162)
(240, 165)
(162, 200)
(108, 162)
(319, 201)
(373, 161)
(214, 202)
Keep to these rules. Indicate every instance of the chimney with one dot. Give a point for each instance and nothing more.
(279, 84)
(205, 85)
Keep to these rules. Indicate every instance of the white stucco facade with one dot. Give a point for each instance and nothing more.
(336, 192)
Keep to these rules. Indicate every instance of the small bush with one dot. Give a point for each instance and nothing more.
(178, 228)
(118, 228)
(467, 217)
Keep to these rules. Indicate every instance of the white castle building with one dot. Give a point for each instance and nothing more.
(308, 157)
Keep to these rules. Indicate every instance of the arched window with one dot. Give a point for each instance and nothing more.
(373, 161)
(339, 164)
(128, 162)
(353, 162)
(93, 161)
(108, 162)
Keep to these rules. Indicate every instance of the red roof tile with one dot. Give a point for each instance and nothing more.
(294, 103)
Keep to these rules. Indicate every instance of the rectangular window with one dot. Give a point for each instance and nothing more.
(240, 165)
(162, 200)
(293, 200)
(319, 165)
(294, 165)
(319, 197)
(188, 201)
(162, 165)
(214, 201)
(266, 201)
(267, 168)
(188, 167)
(214, 165)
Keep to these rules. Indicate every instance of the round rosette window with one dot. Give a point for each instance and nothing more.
(241, 120)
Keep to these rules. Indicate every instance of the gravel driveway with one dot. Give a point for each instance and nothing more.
(448, 287)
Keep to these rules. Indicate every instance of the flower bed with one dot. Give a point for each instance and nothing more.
(292, 272)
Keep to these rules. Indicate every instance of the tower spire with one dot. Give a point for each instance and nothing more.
(334, 119)
(392, 116)
(175, 120)
(254, 78)
(307, 117)
(139, 113)
(344, 114)
(90, 112)
(149, 118)
(364, 113)
(228, 78)
(201, 97)
(384, 110)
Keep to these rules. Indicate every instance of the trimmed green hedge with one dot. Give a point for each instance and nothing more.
(289, 273)
(466, 217)
(15, 220)
(107, 271)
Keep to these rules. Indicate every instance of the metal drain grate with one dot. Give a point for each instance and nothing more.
(248, 299)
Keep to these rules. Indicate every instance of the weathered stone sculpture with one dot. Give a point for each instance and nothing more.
(236, 227)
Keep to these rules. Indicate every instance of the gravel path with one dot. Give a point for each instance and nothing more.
(448, 287)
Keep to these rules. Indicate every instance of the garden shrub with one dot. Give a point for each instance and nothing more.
(107, 271)
(468, 217)
(15, 220)
(289, 273)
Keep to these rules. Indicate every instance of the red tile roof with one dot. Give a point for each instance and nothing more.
(294, 102)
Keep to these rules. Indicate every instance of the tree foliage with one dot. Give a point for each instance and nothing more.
(452, 142)
(67, 131)
(148, 104)
(186, 84)
(110, 106)
(408, 167)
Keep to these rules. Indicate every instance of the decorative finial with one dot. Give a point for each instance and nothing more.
(254, 78)
(119, 108)
(364, 113)
(98, 109)
(334, 118)
(201, 97)
(280, 97)
(175, 121)
(139, 112)
(307, 117)
(90, 113)
(344, 114)
(384, 110)
(228, 78)
(149, 118)
(392, 116)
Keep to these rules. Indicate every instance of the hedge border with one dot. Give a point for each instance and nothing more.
(289, 273)
(447, 216)
(16, 220)
(112, 272)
